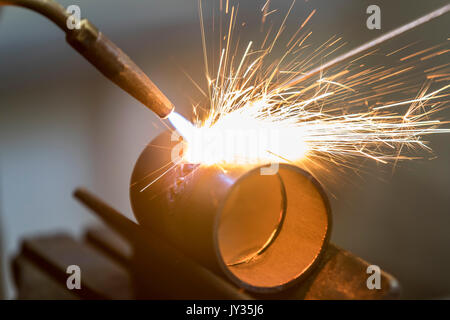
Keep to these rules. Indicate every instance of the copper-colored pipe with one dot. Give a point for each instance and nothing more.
(264, 232)
(103, 54)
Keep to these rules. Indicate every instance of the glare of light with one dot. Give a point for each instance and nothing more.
(347, 113)
(240, 138)
(183, 126)
(353, 111)
(257, 114)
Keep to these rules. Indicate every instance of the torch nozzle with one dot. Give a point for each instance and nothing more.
(182, 125)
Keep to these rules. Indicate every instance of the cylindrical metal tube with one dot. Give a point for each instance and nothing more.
(264, 232)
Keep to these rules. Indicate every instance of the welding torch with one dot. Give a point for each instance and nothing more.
(103, 54)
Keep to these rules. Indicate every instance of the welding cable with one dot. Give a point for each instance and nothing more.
(50, 9)
(103, 54)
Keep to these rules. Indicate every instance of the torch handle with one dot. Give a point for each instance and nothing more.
(114, 64)
(103, 54)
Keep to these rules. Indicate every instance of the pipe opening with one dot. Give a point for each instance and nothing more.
(271, 229)
(248, 227)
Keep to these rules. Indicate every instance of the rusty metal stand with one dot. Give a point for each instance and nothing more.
(106, 263)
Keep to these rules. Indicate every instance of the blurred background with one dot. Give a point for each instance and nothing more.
(63, 125)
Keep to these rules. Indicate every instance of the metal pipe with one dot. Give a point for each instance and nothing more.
(264, 232)
(103, 54)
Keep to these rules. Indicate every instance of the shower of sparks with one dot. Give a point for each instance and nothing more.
(346, 112)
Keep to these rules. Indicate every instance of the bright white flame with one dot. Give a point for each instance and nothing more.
(183, 126)
(258, 112)
(240, 138)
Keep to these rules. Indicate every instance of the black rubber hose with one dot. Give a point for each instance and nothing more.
(48, 8)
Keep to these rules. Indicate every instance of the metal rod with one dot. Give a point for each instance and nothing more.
(116, 220)
(368, 45)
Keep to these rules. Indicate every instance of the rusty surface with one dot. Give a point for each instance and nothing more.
(340, 275)
(100, 278)
(343, 275)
